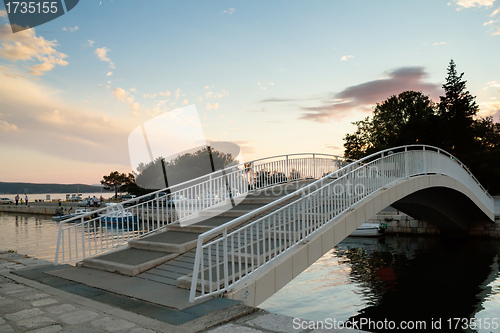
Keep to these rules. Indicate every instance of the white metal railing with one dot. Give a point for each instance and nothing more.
(109, 227)
(230, 255)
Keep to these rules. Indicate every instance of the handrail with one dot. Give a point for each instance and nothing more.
(234, 239)
(89, 234)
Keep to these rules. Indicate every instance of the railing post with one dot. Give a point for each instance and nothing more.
(56, 260)
(196, 270)
(225, 258)
(287, 170)
(407, 163)
(314, 166)
(425, 161)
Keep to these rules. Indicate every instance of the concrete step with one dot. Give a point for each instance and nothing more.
(167, 241)
(202, 226)
(128, 261)
(237, 211)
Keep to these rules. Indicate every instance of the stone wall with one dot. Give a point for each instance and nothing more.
(404, 224)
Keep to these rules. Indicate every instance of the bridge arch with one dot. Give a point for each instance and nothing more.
(308, 227)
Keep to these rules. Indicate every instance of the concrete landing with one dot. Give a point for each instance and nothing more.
(129, 261)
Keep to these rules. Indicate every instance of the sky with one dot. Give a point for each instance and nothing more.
(274, 77)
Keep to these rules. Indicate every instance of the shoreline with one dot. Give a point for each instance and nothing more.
(41, 208)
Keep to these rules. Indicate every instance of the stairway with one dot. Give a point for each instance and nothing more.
(150, 251)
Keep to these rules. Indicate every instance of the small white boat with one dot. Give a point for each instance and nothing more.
(78, 212)
(369, 230)
(116, 214)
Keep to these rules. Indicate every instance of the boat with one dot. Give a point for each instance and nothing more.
(116, 214)
(78, 212)
(369, 230)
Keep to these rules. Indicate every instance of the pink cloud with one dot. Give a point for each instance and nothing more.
(365, 95)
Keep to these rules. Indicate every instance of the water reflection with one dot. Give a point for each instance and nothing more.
(399, 279)
(424, 278)
(33, 235)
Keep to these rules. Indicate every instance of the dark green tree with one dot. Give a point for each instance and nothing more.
(399, 120)
(116, 181)
(456, 111)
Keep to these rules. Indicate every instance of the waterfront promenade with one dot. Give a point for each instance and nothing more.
(27, 305)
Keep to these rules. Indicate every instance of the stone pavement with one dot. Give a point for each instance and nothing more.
(29, 306)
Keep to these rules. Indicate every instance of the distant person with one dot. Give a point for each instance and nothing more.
(17, 199)
(94, 200)
(26, 199)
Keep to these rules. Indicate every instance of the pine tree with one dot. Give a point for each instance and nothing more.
(457, 109)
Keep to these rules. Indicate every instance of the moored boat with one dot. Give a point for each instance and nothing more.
(116, 214)
(78, 212)
(369, 230)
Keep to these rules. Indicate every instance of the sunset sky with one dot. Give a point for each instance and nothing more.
(274, 77)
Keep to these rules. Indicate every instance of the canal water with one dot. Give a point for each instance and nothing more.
(398, 279)
(33, 235)
(427, 281)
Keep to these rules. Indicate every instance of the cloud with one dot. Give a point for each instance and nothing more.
(253, 111)
(212, 106)
(3, 13)
(496, 32)
(102, 54)
(473, 3)
(89, 43)
(346, 57)
(489, 108)
(5, 126)
(125, 97)
(365, 95)
(213, 94)
(71, 29)
(439, 43)
(229, 11)
(36, 119)
(26, 46)
(495, 12)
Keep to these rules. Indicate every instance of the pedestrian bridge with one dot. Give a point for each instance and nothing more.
(246, 231)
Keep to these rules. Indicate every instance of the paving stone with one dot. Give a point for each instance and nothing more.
(112, 324)
(6, 329)
(12, 287)
(14, 292)
(79, 329)
(11, 307)
(24, 314)
(78, 317)
(44, 301)
(273, 322)
(35, 322)
(60, 309)
(33, 297)
(141, 330)
(47, 329)
(5, 301)
(231, 328)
